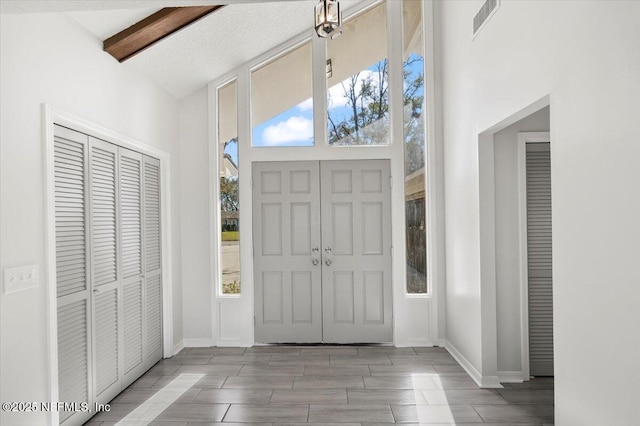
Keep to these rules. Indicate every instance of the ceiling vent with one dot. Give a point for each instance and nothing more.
(482, 17)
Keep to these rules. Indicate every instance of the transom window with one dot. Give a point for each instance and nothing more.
(358, 85)
(282, 103)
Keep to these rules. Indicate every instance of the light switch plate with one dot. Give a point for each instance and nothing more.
(17, 279)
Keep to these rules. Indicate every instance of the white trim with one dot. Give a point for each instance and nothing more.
(417, 343)
(51, 115)
(236, 343)
(178, 347)
(483, 381)
(396, 163)
(510, 376)
(488, 292)
(523, 139)
(50, 260)
(319, 79)
(433, 169)
(197, 343)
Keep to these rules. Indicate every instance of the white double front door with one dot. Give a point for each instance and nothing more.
(322, 251)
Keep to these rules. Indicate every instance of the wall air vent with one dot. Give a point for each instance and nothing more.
(482, 17)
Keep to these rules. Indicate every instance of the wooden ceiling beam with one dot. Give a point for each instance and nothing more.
(152, 29)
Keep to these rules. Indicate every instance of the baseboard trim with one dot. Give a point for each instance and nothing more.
(418, 343)
(482, 381)
(177, 348)
(233, 343)
(198, 343)
(510, 376)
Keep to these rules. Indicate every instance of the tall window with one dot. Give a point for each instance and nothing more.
(282, 103)
(414, 147)
(358, 94)
(229, 190)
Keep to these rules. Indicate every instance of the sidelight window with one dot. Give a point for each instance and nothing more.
(229, 189)
(414, 147)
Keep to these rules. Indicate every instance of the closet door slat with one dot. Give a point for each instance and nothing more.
(152, 259)
(103, 212)
(107, 293)
(130, 188)
(131, 212)
(73, 355)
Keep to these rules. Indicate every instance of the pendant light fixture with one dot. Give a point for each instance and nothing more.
(328, 19)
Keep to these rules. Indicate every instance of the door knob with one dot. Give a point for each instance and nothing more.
(315, 262)
(327, 262)
(315, 250)
(327, 250)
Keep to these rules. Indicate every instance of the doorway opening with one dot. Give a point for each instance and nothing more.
(524, 298)
(504, 250)
(322, 251)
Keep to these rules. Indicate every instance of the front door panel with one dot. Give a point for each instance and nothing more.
(356, 244)
(322, 251)
(286, 213)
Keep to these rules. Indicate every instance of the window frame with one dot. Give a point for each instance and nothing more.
(216, 204)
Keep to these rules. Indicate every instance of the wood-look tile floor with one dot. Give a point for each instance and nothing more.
(323, 385)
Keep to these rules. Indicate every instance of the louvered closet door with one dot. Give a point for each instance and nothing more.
(74, 367)
(152, 261)
(131, 237)
(539, 259)
(103, 162)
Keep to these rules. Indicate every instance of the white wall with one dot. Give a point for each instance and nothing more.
(507, 237)
(196, 259)
(586, 55)
(49, 58)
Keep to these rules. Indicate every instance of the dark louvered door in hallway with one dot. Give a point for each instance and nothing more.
(539, 262)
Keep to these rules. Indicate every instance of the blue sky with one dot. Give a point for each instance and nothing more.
(293, 127)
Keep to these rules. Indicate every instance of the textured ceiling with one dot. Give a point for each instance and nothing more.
(46, 6)
(105, 23)
(198, 54)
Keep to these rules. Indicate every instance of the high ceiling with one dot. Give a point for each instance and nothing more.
(189, 59)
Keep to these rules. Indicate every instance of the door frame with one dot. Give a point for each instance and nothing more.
(523, 139)
(50, 116)
(486, 374)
